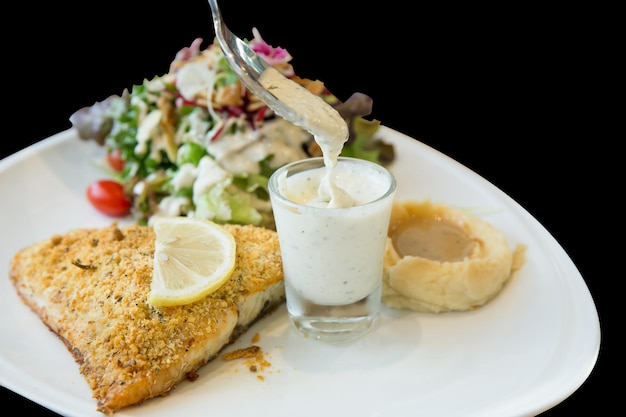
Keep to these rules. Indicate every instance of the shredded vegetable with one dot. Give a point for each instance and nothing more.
(195, 142)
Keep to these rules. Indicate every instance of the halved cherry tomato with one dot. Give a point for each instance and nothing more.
(108, 197)
(115, 160)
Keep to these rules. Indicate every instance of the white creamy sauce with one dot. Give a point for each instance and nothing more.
(228, 143)
(281, 139)
(209, 174)
(331, 256)
(149, 130)
(202, 178)
(315, 115)
(363, 186)
(241, 152)
(195, 77)
(172, 206)
(194, 128)
(184, 177)
(325, 123)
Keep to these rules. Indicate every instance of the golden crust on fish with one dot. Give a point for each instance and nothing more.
(90, 287)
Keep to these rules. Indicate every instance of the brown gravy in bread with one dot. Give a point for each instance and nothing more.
(431, 238)
(477, 259)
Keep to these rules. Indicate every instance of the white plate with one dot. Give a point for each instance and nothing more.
(521, 354)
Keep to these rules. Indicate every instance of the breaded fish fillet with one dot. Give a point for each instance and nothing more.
(90, 287)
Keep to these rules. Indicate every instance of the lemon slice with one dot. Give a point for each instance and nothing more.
(192, 259)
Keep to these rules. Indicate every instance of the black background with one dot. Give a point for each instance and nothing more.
(509, 92)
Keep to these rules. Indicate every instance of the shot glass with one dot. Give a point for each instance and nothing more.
(332, 257)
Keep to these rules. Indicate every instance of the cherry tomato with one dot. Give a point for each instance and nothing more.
(114, 158)
(108, 197)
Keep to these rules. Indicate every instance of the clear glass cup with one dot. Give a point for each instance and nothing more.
(333, 257)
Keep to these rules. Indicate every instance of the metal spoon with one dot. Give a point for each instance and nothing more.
(289, 100)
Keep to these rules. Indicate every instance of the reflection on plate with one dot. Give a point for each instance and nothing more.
(524, 352)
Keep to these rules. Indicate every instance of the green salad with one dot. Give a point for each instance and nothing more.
(195, 142)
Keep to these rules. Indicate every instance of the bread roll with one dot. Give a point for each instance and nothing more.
(439, 258)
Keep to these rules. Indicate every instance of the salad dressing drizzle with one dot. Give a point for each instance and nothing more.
(166, 125)
(328, 128)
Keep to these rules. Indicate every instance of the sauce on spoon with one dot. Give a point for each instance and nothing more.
(328, 128)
